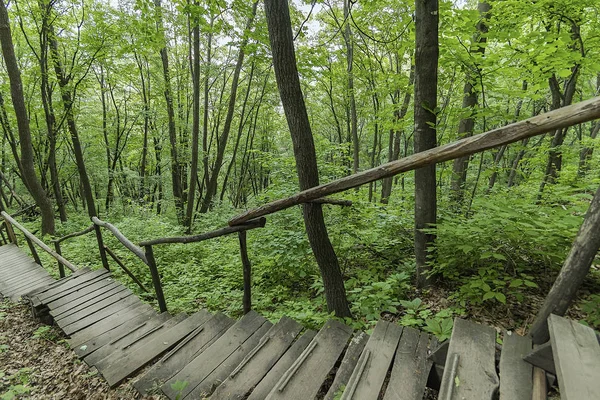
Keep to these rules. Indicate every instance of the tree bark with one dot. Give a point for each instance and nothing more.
(426, 64)
(288, 83)
(573, 272)
(348, 39)
(16, 91)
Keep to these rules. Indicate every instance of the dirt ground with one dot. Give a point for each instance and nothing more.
(37, 363)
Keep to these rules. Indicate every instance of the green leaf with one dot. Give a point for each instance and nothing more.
(488, 295)
(516, 283)
(501, 298)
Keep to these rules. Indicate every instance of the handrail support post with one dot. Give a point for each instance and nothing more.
(247, 300)
(151, 262)
(61, 267)
(34, 252)
(101, 247)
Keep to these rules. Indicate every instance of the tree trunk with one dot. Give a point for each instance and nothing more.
(176, 176)
(426, 63)
(574, 270)
(466, 125)
(288, 83)
(211, 188)
(196, 122)
(351, 98)
(16, 91)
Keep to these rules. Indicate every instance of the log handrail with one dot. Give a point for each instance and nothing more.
(37, 241)
(566, 116)
(124, 241)
(75, 234)
(253, 224)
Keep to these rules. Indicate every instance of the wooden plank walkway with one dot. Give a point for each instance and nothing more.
(208, 355)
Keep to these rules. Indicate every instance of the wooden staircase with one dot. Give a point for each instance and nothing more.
(208, 355)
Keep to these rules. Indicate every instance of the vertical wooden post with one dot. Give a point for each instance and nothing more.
(11, 233)
(4, 240)
(247, 301)
(61, 267)
(34, 252)
(101, 247)
(155, 279)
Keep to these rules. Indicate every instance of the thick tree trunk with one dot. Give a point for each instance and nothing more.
(176, 175)
(16, 91)
(426, 63)
(466, 125)
(574, 270)
(211, 188)
(288, 82)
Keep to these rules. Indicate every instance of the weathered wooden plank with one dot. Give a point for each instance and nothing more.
(25, 277)
(219, 374)
(81, 295)
(88, 310)
(15, 295)
(128, 360)
(56, 284)
(207, 361)
(109, 323)
(139, 321)
(183, 353)
(411, 366)
(70, 286)
(577, 358)
(540, 388)
(516, 375)
(268, 382)
(306, 375)
(372, 367)
(90, 297)
(26, 284)
(344, 372)
(566, 116)
(20, 271)
(260, 361)
(470, 370)
(541, 356)
(100, 315)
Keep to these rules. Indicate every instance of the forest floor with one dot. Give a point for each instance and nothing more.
(37, 363)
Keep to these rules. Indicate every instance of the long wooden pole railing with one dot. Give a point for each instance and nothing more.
(10, 221)
(561, 118)
(126, 242)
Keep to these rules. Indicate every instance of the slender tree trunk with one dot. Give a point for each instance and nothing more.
(195, 124)
(176, 175)
(288, 82)
(211, 188)
(426, 63)
(350, 70)
(466, 125)
(16, 91)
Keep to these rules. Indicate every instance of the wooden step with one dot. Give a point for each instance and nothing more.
(74, 299)
(344, 372)
(576, 357)
(92, 307)
(183, 353)
(516, 375)
(132, 356)
(88, 299)
(369, 374)
(411, 366)
(261, 391)
(259, 361)
(470, 369)
(199, 369)
(307, 374)
(68, 287)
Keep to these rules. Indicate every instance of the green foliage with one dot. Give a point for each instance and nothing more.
(45, 332)
(179, 387)
(15, 386)
(591, 306)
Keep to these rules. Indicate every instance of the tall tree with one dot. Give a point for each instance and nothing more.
(16, 91)
(426, 65)
(288, 83)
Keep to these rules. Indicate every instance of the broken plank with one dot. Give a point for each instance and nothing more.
(207, 361)
(183, 353)
(372, 367)
(577, 358)
(219, 374)
(411, 366)
(516, 375)
(470, 370)
(260, 361)
(344, 372)
(307, 374)
(541, 357)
